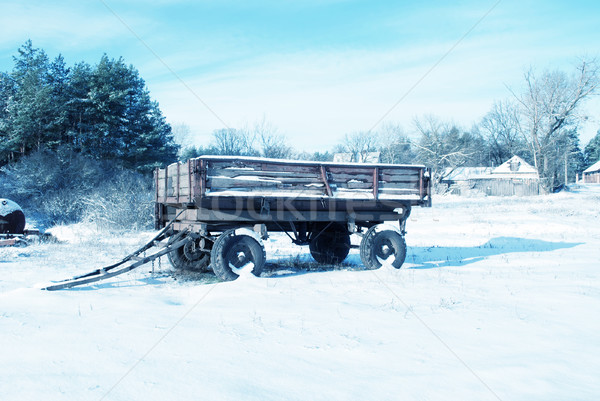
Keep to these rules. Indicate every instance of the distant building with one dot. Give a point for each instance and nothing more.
(342, 157)
(592, 174)
(359, 157)
(513, 177)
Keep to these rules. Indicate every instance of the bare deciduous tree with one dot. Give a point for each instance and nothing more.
(359, 144)
(272, 144)
(181, 134)
(234, 142)
(395, 146)
(441, 146)
(549, 107)
(502, 131)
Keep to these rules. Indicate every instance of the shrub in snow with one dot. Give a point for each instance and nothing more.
(124, 202)
(64, 187)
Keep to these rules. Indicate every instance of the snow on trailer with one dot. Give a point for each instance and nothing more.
(214, 212)
(319, 204)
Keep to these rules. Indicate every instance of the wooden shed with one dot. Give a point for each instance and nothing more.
(513, 177)
(592, 174)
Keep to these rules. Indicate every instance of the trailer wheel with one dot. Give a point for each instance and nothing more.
(332, 245)
(193, 256)
(380, 245)
(235, 250)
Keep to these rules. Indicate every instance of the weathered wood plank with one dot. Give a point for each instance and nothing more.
(226, 182)
(398, 185)
(399, 190)
(400, 169)
(325, 180)
(399, 177)
(339, 177)
(351, 170)
(369, 177)
(260, 166)
(291, 168)
(280, 180)
(239, 172)
(381, 184)
(354, 185)
(266, 192)
(183, 185)
(375, 182)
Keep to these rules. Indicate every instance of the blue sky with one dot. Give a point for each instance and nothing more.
(315, 69)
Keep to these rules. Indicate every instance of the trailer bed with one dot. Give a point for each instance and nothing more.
(228, 176)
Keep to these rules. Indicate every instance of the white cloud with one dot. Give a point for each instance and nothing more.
(317, 97)
(64, 26)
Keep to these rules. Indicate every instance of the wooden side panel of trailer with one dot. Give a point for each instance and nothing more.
(207, 177)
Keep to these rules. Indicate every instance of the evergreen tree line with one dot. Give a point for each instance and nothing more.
(102, 111)
(77, 142)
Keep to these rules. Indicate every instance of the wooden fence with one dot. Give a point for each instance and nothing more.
(508, 186)
(591, 178)
(497, 187)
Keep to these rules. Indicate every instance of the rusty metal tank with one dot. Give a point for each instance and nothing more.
(12, 218)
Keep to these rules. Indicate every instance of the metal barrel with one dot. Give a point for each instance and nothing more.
(12, 219)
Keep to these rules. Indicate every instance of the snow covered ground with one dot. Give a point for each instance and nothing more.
(499, 299)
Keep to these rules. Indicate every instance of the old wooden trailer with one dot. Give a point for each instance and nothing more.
(225, 206)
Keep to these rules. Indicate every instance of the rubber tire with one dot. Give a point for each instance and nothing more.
(332, 246)
(227, 245)
(181, 261)
(374, 240)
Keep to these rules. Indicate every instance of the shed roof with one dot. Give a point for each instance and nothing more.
(593, 168)
(515, 166)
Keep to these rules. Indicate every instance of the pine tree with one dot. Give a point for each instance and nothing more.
(126, 125)
(29, 110)
(154, 145)
(58, 80)
(7, 91)
(104, 111)
(106, 108)
(77, 106)
(592, 150)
